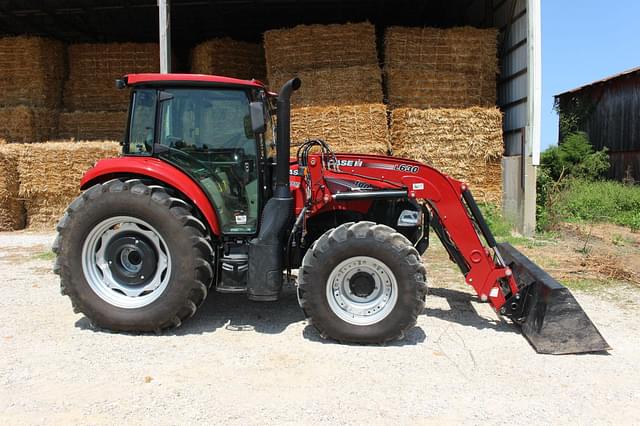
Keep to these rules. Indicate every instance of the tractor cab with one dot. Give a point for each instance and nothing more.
(203, 125)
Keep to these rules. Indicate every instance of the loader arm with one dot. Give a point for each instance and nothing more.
(550, 317)
(456, 218)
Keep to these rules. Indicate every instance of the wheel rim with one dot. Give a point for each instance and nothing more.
(126, 262)
(362, 290)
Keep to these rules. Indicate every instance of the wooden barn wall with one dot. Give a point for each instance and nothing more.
(614, 122)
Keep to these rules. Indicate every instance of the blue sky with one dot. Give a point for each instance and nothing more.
(582, 41)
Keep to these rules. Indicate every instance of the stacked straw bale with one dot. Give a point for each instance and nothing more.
(90, 125)
(49, 175)
(320, 46)
(24, 124)
(334, 86)
(228, 57)
(31, 71)
(338, 64)
(463, 143)
(340, 100)
(11, 206)
(93, 69)
(352, 128)
(31, 74)
(441, 68)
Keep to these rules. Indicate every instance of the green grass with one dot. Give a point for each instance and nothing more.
(584, 284)
(501, 228)
(45, 255)
(602, 201)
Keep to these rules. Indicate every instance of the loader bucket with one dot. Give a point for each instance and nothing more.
(550, 317)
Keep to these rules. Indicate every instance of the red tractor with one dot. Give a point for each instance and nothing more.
(206, 196)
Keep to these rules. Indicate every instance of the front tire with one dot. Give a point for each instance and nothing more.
(132, 257)
(362, 282)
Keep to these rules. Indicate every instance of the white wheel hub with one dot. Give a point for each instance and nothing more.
(362, 290)
(126, 262)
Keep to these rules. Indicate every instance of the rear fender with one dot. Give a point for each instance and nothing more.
(158, 170)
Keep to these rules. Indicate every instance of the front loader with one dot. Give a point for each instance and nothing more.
(206, 197)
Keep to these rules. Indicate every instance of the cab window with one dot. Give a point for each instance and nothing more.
(207, 133)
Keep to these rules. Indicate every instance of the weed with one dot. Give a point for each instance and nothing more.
(603, 201)
(618, 240)
(45, 255)
(584, 284)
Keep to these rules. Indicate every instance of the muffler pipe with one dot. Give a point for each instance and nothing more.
(283, 142)
(267, 250)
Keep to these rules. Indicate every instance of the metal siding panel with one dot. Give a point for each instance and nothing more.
(514, 62)
(508, 93)
(515, 117)
(502, 15)
(513, 144)
(518, 32)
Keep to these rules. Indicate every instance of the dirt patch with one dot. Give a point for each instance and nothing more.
(600, 252)
(24, 254)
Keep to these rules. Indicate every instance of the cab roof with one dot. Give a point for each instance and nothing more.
(189, 79)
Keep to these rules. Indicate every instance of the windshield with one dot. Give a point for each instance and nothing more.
(208, 134)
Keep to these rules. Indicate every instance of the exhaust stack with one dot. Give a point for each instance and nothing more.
(284, 137)
(266, 251)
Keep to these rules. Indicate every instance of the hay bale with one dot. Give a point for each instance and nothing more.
(441, 68)
(93, 69)
(25, 124)
(320, 46)
(11, 206)
(43, 211)
(350, 128)
(50, 174)
(463, 143)
(334, 86)
(89, 125)
(228, 57)
(32, 71)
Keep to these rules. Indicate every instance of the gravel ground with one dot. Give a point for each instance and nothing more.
(248, 363)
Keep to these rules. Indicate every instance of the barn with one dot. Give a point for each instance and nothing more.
(69, 93)
(608, 110)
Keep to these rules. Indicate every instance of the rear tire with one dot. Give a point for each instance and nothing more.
(117, 232)
(362, 282)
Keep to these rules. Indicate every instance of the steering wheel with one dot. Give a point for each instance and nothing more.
(173, 141)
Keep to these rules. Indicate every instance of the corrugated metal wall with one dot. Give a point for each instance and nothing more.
(510, 16)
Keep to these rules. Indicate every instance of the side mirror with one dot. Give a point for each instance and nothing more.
(258, 120)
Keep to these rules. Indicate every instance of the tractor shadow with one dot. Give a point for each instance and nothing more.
(463, 312)
(233, 312)
(412, 337)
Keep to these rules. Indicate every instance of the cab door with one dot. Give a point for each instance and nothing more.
(207, 133)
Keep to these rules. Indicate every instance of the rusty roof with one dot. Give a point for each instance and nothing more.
(626, 73)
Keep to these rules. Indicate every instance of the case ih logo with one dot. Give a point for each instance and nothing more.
(407, 168)
(346, 163)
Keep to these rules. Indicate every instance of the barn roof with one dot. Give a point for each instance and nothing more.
(193, 21)
(631, 72)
